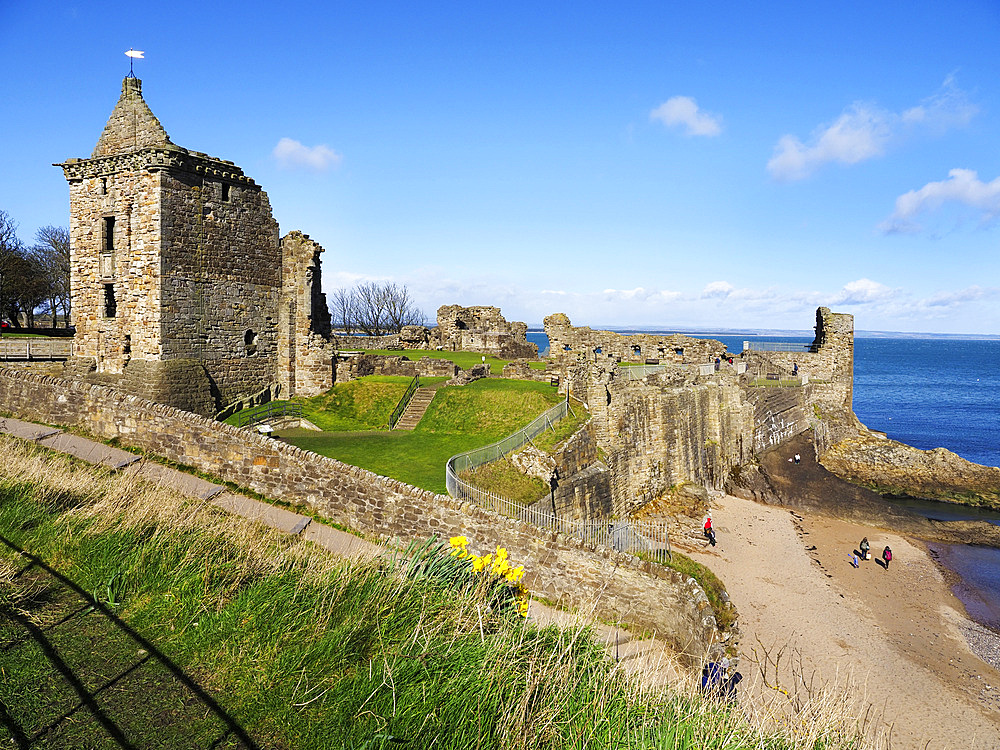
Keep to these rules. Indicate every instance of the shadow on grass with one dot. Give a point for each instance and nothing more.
(135, 696)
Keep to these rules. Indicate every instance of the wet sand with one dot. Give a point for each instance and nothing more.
(897, 640)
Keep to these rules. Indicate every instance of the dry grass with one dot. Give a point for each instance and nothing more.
(301, 642)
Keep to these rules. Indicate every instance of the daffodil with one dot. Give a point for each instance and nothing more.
(458, 541)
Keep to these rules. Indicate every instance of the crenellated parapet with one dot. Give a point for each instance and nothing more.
(153, 159)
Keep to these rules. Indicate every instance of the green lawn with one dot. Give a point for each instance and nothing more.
(459, 419)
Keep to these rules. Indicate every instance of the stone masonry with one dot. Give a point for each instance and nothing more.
(685, 425)
(569, 344)
(176, 264)
(481, 329)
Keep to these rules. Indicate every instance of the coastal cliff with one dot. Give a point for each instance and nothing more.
(871, 460)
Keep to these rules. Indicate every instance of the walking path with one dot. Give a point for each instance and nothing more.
(416, 409)
(649, 659)
(331, 539)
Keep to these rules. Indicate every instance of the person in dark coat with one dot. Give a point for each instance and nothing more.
(887, 556)
(864, 547)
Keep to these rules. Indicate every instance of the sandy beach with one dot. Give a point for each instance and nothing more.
(897, 640)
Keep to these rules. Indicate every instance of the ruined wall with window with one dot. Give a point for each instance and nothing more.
(481, 328)
(569, 344)
(178, 275)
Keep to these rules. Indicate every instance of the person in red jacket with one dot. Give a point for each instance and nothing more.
(709, 531)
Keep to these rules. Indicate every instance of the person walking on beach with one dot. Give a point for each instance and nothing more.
(887, 556)
(709, 531)
(864, 547)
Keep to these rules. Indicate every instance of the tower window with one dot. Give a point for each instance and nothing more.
(225, 191)
(109, 234)
(103, 189)
(110, 306)
(250, 342)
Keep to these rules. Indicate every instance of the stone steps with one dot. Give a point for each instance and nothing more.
(416, 409)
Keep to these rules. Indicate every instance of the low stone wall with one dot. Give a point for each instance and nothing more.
(380, 364)
(615, 586)
(356, 343)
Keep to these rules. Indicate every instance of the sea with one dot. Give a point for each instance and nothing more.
(928, 393)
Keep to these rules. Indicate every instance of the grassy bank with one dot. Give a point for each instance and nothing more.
(131, 617)
(459, 419)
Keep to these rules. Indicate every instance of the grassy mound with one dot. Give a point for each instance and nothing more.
(459, 418)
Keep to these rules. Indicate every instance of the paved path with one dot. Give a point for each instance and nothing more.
(333, 540)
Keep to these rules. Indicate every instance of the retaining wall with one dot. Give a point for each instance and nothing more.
(616, 587)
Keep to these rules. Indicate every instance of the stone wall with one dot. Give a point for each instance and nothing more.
(831, 361)
(620, 588)
(358, 343)
(305, 353)
(481, 329)
(380, 364)
(570, 344)
(520, 369)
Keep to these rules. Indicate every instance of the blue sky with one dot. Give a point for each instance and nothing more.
(673, 164)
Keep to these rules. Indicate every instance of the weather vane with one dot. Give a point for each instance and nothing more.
(132, 55)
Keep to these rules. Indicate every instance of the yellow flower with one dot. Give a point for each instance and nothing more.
(500, 567)
(515, 574)
(458, 541)
(501, 553)
(478, 563)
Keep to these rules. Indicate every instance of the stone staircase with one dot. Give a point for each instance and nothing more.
(415, 410)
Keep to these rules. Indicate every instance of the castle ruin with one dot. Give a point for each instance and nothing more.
(182, 291)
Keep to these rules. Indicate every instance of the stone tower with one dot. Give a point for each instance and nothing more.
(177, 271)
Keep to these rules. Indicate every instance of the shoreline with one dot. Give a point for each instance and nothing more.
(896, 643)
(982, 640)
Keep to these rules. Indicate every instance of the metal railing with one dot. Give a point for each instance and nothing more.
(267, 411)
(638, 372)
(494, 451)
(778, 346)
(647, 538)
(35, 348)
(404, 401)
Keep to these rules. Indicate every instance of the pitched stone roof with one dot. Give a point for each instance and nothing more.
(132, 125)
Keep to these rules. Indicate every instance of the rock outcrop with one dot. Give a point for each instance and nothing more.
(871, 460)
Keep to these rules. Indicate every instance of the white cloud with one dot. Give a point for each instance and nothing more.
(860, 133)
(963, 187)
(863, 292)
(947, 107)
(290, 154)
(950, 300)
(683, 111)
(865, 131)
(717, 289)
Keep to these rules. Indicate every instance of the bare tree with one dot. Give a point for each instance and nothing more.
(400, 309)
(11, 251)
(342, 311)
(375, 309)
(371, 308)
(52, 253)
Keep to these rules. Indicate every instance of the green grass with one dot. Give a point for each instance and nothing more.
(460, 418)
(207, 627)
(465, 360)
(715, 590)
(765, 383)
(506, 480)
